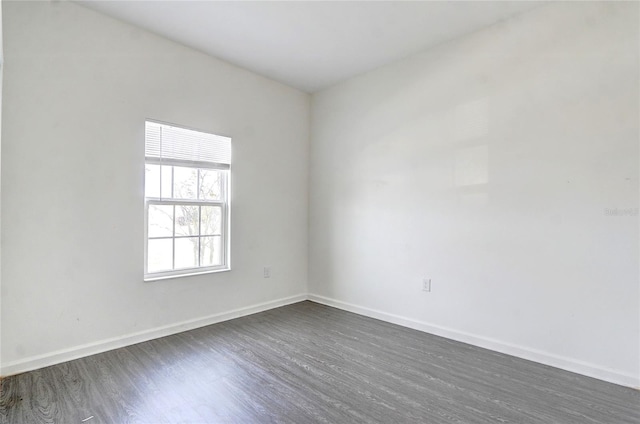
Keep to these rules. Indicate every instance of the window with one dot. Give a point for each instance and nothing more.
(186, 201)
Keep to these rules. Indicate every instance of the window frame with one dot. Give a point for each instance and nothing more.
(225, 225)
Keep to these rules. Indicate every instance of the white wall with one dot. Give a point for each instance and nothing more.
(488, 164)
(1, 79)
(78, 87)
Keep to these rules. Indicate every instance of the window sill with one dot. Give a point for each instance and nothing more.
(149, 278)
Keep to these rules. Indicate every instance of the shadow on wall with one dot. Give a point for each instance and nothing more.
(457, 137)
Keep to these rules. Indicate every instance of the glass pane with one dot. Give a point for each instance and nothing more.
(187, 220)
(151, 180)
(185, 182)
(211, 220)
(166, 182)
(160, 221)
(210, 251)
(159, 255)
(210, 184)
(187, 252)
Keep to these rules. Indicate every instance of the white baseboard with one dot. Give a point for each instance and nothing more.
(569, 364)
(541, 357)
(52, 358)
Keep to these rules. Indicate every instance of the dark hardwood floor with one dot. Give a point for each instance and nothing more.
(308, 363)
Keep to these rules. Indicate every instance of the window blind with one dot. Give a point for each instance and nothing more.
(180, 145)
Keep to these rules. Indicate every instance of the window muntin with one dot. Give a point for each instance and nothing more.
(186, 206)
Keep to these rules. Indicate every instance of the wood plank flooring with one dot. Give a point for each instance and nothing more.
(308, 363)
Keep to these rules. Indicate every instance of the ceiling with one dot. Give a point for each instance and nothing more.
(310, 45)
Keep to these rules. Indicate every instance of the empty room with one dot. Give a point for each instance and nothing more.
(319, 212)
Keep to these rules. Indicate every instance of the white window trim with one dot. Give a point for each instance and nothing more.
(182, 272)
(225, 224)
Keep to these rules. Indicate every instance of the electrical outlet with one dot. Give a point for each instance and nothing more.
(426, 284)
(267, 272)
